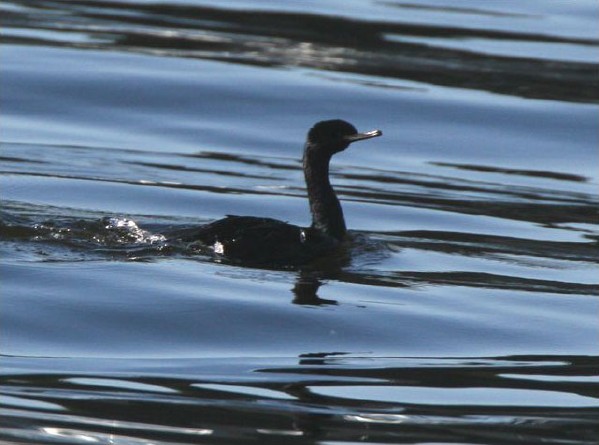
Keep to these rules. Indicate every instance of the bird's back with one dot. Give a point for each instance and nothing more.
(255, 240)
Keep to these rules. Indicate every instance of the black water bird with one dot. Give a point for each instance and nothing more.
(256, 240)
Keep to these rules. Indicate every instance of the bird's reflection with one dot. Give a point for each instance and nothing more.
(306, 288)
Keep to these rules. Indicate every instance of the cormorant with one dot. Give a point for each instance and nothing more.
(257, 240)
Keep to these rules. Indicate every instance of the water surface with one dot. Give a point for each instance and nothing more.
(465, 308)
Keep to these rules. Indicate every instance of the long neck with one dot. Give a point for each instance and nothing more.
(327, 215)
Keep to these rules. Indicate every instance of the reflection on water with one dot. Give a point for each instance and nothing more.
(333, 43)
(462, 308)
(322, 396)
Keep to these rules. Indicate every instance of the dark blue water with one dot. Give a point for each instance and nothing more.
(465, 309)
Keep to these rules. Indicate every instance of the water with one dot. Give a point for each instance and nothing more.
(465, 310)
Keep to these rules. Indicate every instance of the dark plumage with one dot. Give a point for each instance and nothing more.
(268, 241)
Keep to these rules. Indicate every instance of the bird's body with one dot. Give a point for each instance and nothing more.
(256, 240)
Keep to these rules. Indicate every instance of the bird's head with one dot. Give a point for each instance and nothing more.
(335, 135)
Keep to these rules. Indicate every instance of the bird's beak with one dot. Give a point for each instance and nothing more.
(362, 136)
